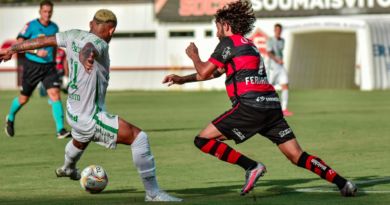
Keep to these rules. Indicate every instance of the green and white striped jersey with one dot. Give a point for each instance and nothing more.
(87, 91)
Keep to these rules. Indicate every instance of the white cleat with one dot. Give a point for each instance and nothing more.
(349, 189)
(162, 196)
(73, 174)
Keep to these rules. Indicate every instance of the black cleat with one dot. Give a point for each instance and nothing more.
(9, 128)
(62, 134)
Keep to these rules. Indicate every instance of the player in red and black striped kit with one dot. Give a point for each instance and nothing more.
(256, 106)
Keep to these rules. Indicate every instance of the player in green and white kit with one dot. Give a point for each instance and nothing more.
(276, 73)
(87, 55)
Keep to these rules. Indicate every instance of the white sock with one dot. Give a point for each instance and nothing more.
(144, 161)
(72, 155)
(284, 99)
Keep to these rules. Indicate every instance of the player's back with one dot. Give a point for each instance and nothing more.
(86, 89)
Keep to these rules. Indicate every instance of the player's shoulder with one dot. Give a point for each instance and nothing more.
(54, 25)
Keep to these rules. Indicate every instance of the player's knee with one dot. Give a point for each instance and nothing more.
(200, 142)
(23, 100)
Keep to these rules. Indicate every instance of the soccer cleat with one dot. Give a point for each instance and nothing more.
(251, 177)
(287, 113)
(349, 189)
(9, 128)
(62, 134)
(73, 174)
(162, 196)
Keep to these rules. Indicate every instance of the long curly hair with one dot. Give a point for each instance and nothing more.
(239, 15)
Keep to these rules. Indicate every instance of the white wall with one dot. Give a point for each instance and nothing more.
(163, 51)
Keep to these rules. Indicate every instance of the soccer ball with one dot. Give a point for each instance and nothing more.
(93, 179)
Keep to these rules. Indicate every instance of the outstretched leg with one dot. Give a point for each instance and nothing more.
(209, 141)
(294, 153)
(73, 151)
(143, 159)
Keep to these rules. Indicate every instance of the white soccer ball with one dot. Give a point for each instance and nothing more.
(93, 179)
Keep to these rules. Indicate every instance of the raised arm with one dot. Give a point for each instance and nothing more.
(31, 44)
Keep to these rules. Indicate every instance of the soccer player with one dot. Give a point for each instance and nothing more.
(256, 107)
(89, 64)
(276, 72)
(39, 66)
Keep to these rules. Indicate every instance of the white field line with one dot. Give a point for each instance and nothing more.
(328, 189)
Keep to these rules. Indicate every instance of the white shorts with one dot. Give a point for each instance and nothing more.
(277, 74)
(105, 131)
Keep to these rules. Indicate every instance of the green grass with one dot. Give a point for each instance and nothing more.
(348, 129)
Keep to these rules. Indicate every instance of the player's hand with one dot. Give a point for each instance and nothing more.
(173, 79)
(42, 53)
(88, 63)
(192, 50)
(87, 56)
(5, 54)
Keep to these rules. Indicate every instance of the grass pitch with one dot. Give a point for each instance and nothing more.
(347, 129)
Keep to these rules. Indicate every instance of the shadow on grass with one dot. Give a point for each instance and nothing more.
(267, 192)
(173, 129)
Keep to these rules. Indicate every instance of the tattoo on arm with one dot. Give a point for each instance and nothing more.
(35, 43)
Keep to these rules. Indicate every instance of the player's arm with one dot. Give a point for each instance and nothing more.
(175, 79)
(203, 69)
(26, 45)
(272, 55)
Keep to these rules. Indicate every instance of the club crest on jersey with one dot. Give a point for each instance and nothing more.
(226, 52)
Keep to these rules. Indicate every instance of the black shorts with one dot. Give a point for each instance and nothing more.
(33, 73)
(242, 122)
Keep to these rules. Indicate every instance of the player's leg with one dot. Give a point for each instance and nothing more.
(16, 104)
(210, 142)
(52, 83)
(74, 149)
(31, 78)
(143, 159)
(232, 125)
(297, 156)
(283, 82)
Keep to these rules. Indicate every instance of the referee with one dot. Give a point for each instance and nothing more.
(39, 66)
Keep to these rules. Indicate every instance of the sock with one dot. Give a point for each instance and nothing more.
(284, 99)
(224, 152)
(319, 167)
(72, 155)
(58, 114)
(15, 107)
(144, 161)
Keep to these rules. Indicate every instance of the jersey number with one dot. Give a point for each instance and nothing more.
(73, 74)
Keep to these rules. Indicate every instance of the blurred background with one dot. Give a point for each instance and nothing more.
(330, 44)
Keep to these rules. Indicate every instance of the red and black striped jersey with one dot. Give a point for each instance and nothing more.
(246, 79)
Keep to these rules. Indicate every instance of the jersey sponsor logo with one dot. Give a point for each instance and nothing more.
(255, 80)
(269, 99)
(75, 48)
(74, 97)
(285, 132)
(238, 133)
(316, 163)
(226, 52)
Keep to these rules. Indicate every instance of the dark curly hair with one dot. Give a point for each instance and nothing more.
(239, 15)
